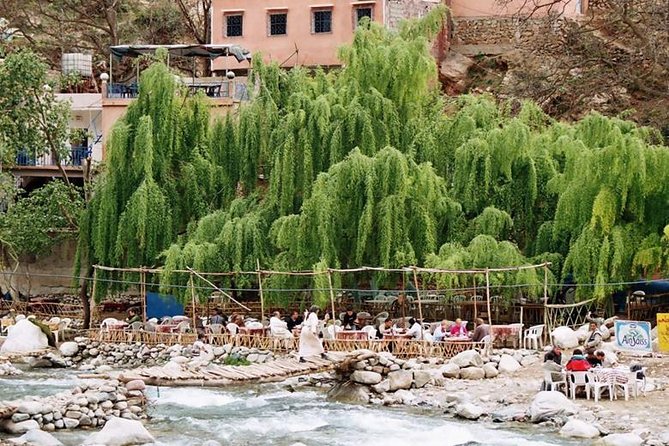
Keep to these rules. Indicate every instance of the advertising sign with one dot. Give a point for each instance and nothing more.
(663, 331)
(633, 335)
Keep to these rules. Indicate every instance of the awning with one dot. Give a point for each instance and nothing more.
(210, 51)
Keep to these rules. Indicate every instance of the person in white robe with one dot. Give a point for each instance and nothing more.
(310, 344)
(278, 327)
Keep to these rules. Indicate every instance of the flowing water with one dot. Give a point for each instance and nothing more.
(272, 415)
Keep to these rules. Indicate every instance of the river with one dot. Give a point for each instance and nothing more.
(275, 415)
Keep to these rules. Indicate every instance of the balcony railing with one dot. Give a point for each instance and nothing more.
(213, 89)
(76, 157)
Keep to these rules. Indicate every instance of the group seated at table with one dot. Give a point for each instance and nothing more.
(458, 331)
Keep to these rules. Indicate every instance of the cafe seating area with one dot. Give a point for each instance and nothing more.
(599, 383)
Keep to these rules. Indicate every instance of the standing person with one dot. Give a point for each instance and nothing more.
(310, 344)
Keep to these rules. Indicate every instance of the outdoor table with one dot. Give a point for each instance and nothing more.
(120, 325)
(253, 331)
(397, 337)
(505, 332)
(356, 335)
(618, 375)
(166, 328)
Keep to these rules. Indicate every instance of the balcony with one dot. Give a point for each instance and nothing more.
(28, 163)
(215, 88)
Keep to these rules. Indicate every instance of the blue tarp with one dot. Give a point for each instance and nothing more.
(161, 305)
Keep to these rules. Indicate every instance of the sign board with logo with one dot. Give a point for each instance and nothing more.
(663, 331)
(633, 335)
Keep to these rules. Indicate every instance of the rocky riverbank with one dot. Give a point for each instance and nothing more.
(466, 387)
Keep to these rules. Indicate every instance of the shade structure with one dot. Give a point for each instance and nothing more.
(209, 51)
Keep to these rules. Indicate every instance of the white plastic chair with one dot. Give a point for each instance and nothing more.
(636, 383)
(370, 330)
(597, 385)
(232, 328)
(19, 317)
(487, 345)
(555, 385)
(624, 387)
(107, 322)
(532, 337)
(576, 380)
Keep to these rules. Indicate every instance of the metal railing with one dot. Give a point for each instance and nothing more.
(76, 157)
(223, 89)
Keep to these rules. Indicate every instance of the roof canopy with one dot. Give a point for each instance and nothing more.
(210, 51)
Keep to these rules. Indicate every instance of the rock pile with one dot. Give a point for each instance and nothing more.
(90, 354)
(85, 406)
(7, 369)
(381, 378)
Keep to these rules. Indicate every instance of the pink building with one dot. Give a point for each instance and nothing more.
(308, 32)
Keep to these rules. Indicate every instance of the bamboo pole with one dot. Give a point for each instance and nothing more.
(142, 289)
(192, 271)
(546, 328)
(420, 304)
(91, 304)
(332, 298)
(476, 301)
(262, 299)
(191, 284)
(487, 295)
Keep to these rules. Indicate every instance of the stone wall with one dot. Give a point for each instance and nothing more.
(496, 30)
(398, 10)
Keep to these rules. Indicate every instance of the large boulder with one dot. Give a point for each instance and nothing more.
(490, 370)
(450, 370)
(421, 378)
(547, 405)
(507, 364)
(565, 337)
(400, 379)
(349, 393)
(363, 377)
(120, 432)
(628, 439)
(24, 337)
(68, 349)
(39, 438)
(468, 358)
(579, 429)
(469, 411)
(472, 373)
(18, 428)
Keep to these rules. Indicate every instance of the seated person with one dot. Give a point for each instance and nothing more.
(132, 317)
(458, 330)
(217, 318)
(554, 355)
(385, 329)
(594, 339)
(441, 331)
(592, 358)
(278, 327)
(552, 364)
(578, 363)
(415, 330)
(293, 320)
(481, 331)
(349, 318)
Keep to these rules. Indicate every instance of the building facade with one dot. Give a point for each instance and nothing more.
(309, 32)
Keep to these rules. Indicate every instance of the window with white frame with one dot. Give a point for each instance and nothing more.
(234, 25)
(277, 23)
(321, 21)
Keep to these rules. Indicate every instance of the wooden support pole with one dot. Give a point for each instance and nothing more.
(420, 304)
(476, 301)
(487, 295)
(546, 330)
(142, 289)
(91, 302)
(191, 284)
(262, 299)
(332, 297)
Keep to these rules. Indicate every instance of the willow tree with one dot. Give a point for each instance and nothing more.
(160, 175)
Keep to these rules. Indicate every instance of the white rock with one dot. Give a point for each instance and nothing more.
(472, 373)
(400, 379)
(467, 358)
(382, 387)
(40, 438)
(469, 411)
(213, 443)
(546, 405)
(120, 432)
(629, 439)
(18, 428)
(490, 370)
(450, 370)
(30, 407)
(24, 337)
(69, 349)
(135, 384)
(579, 429)
(507, 364)
(565, 337)
(363, 377)
(421, 378)
(406, 397)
